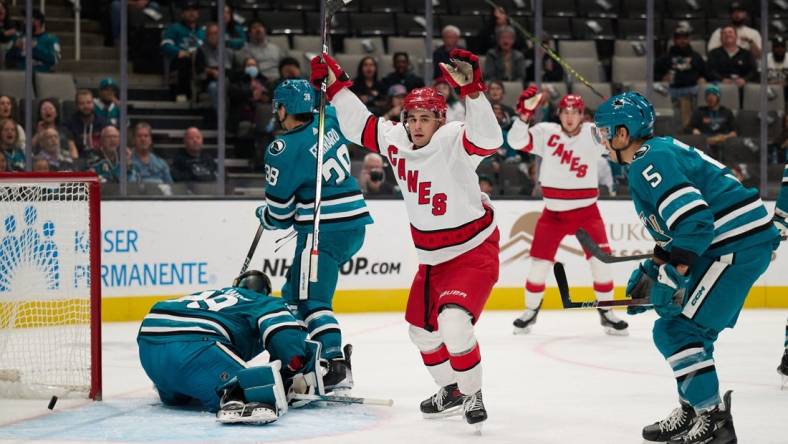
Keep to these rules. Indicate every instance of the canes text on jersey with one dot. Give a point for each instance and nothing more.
(566, 156)
(422, 189)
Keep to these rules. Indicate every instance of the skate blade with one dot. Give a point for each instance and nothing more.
(477, 429)
(521, 331)
(258, 417)
(783, 381)
(454, 411)
(610, 331)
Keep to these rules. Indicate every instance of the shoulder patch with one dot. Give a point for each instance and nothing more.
(595, 135)
(641, 152)
(277, 147)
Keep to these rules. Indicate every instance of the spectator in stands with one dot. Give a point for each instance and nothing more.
(4, 164)
(268, 55)
(85, 125)
(551, 70)
(455, 110)
(50, 149)
(107, 104)
(681, 68)
(192, 163)
(496, 20)
(7, 112)
(777, 63)
(368, 87)
(403, 73)
(7, 31)
(396, 95)
(495, 93)
(234, 32)
(731, 63)
(41, 164)
(151, 168)
(486, 185)
(504, 62)
(48, 118)
(372, 179)
(138, 10)
(46, 47)
(714, 121)
(748, 38)
(249, 98)
(451, 38)
(179, 43)
(289, 68)
(105, 162)
(206, 65)
(12, 152)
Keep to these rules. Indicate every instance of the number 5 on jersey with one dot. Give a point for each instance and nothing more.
(652, 176)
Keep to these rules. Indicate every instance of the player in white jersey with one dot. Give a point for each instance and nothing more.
(570, 153)
(452, 222)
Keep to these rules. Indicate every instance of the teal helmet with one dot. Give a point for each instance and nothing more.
(630, 110)
(296, 95)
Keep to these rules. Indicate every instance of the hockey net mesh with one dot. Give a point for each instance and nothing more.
(45, 294)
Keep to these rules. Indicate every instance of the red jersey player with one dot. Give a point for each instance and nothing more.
(568, 176)
(452, 223)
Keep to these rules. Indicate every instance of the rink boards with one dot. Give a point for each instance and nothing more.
(152, 250)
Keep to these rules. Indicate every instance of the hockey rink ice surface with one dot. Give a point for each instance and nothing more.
(567, 382)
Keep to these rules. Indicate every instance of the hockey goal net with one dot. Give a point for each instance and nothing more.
(50, 285)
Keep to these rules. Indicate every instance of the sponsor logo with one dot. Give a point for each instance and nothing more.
(28, 252)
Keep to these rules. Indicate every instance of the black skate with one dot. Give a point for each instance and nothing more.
(782, 369)
(673, 428)
(475, 413)
(612, 324)
(524, 323)
(339, 377)
(714, 426)
(446, 402)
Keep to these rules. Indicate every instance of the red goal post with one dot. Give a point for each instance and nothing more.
(50, 285)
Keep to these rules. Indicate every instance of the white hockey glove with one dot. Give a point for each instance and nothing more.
(528, 102)
(464, 72)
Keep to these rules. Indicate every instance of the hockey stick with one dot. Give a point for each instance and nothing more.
(550, 53)
(566, 300)
(344, 399)
(585, 240)
(252, 248)
(327, 11)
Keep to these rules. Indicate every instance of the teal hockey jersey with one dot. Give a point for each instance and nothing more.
(692, 205)
(290, 165)
(237, 317)
(782, 199)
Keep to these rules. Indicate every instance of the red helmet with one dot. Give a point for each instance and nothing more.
(572, 101)
(427, 99)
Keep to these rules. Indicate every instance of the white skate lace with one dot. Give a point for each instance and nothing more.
(439, 397)
(673, 421)
(473, 402)
(699, 427)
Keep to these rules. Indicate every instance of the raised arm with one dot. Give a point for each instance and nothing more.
(520, 137)
(357, 124)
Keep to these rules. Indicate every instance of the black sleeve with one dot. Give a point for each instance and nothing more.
(713, 66)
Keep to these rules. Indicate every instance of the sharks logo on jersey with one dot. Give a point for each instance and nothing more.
(277, 147)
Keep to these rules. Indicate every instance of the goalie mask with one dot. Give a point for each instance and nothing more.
(254, 280)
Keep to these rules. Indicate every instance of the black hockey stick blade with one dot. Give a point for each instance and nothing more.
(585, 240)
(567, 302)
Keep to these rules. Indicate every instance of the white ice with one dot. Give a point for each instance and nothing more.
(567, 382)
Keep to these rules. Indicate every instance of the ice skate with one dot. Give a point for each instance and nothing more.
(524, 323)
(234, 410)
(448, 401)
(612, 324)
(475, 413)
(673, 428)
(782, 370)
(714, 426)
(339, 378)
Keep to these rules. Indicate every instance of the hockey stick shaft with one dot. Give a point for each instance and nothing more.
(252, 249)
(344, 399)
(537, 41)
(567, 302)
(589, 244)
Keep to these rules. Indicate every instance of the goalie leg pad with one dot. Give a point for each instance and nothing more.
(434, 354)
(456, 329)
(264, 384)
(254, 396)
(309, 380)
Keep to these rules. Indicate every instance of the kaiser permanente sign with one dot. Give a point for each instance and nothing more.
(159, 249)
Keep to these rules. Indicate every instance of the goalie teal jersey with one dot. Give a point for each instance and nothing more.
(242, 319)
(692, 205)
(782, 199)
(290, 175)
